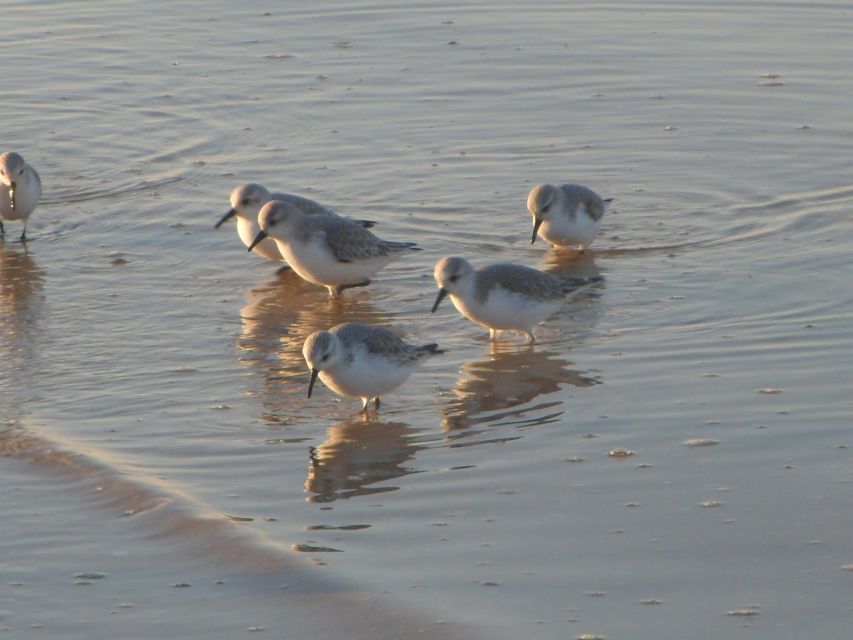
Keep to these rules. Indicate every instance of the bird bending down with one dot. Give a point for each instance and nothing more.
(568, 215)
(246, 202)
(21, 190)
(362, 361)
(337, 253)
(504, 296)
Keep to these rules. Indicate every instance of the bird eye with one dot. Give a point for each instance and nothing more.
(545, 208)
(325, 357)
(244, 202)
(21, 172)
(272, 222)
(453, 279)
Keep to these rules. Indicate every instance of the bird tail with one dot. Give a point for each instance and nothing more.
(365, 223)
(607, 202)
(401, 246)
(426, 350)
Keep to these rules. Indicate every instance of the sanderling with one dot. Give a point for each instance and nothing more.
(335, 252)
(246, 202)
(503, 296)
(361, 361)
(22, 190)
(567, 215)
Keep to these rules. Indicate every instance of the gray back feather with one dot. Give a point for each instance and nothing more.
(377, 341)
(518, 279)
(305, 205)
(347, 240)
(579, 194)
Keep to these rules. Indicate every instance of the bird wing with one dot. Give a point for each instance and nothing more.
(377, 340)
(350, 242)
(591, 201)
(519, 279)
(305, 205)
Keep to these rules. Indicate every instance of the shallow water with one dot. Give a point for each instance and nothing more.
(154, 420)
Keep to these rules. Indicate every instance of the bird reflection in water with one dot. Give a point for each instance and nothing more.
(500, 388)
(358, 455)
(269, 310)
(275, 321)
(570, 265)
(21, 305)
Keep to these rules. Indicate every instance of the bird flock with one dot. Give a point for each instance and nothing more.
(339, 253)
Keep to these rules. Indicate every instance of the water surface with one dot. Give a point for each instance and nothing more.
(152, 392)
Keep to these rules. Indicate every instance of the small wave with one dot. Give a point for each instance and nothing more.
(165, 509)
(109, 193)
(806, 214)
(167, 512)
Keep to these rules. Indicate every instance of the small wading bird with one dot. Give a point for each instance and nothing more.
(567, 215)
(503, 296)
(21, 190)
(246, 202)
(335, 252)
(361, 361)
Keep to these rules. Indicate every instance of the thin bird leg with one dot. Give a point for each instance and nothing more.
(341, 287)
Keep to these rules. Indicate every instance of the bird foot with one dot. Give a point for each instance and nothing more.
(336, 290)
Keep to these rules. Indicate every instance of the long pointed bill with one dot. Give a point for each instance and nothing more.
(314, 373)
(441, 293)
(12, 196)
(231, 213)
(537, 222)
(261, 235)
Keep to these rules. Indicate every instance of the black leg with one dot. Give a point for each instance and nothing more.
(2, 230)
(376, 402)
(341, 287)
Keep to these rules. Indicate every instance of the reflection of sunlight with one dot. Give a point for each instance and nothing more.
(357, 454)
(500, 386)
(21, 303)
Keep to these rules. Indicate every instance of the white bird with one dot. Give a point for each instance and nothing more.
(21, 192)
(358, 360)
(503, 296)
(335, 252)
(567, 215)
(246, 202)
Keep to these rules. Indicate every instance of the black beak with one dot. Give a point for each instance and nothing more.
(441, 293)
(12, 196)
(231, 213)
(537, 222)
(314, 373)
(261, 235)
